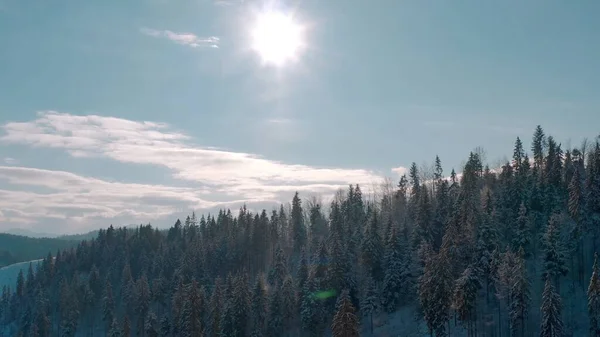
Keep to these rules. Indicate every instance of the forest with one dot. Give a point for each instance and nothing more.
(500, 251)
(18, 248)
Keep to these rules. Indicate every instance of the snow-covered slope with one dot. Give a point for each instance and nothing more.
(8, 274)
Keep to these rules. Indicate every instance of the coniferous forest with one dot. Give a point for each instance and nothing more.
(493, 251)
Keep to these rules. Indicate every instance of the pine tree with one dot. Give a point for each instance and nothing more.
(216, 303)
(288, 302)
(302, 274)
(554, 258)
(151, 327)
(275, 318)
(115, 330)
(522, 235)
(258, 308)
(465, 299)
(370, 303)
(551, 325)
(279, 270)
(345, 322)
(435, 291)
(394, 281)
(142, 301)
(519, 296)
(190, 323)
(298, 228)
(372, 249)
(593, 294)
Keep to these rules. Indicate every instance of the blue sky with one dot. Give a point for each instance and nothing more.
(139, 111)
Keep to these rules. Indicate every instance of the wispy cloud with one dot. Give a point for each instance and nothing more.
(75, 200)
(10, 161)
(215, 176)
(186, 39)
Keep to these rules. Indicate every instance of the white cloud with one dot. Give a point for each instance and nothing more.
(216, 177)
(76, 200)
(400, 170)
(186, 39)
(10, 161)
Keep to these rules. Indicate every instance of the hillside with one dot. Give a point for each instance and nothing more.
(17, 248)
(8, 274)
(507, 252)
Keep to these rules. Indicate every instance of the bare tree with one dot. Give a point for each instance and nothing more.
(584, 148)
(482, 153)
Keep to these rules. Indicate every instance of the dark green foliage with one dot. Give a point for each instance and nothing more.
(464, 253)
(17, 248)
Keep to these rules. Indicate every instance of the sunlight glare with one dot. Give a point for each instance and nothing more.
(277, 38)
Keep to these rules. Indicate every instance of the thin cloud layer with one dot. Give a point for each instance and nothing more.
(216, 177)
(66, 199)
(186, 39)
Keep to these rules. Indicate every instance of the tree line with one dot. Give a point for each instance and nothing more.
(497, 252)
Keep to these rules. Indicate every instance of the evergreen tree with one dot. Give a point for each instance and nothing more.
(370, 303)
(298, 227)
(372, 249)
(216, 303)
(551, 325)
(593, 294)
(465, 299)
(152, 327)
(522, 235)
(554, 258)
(395, 280)
(275, 319)
(258, 308)
(519, 296)
(191, 319)
(288, 302)
(115, 330)
(345, 322)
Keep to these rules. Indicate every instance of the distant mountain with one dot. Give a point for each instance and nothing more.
(28, 233)
(18, 248)
(79, 237)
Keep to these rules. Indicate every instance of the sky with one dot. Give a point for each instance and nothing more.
(128, 112)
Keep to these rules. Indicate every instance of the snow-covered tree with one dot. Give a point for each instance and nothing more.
(345, 321)
(593, 294)
(551, 316)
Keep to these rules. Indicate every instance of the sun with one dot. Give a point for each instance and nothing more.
(277, 38)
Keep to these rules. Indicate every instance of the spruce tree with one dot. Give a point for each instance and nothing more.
(215, 309)
(370, 303)
(258, 308)
(551, 324)
(298, 228)
(522, 235)
(115, 329)
(394, 280)
(593, 297)
(519, 295)
(345, 322)
(554, 257)
(465, 299)
(372, 249)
